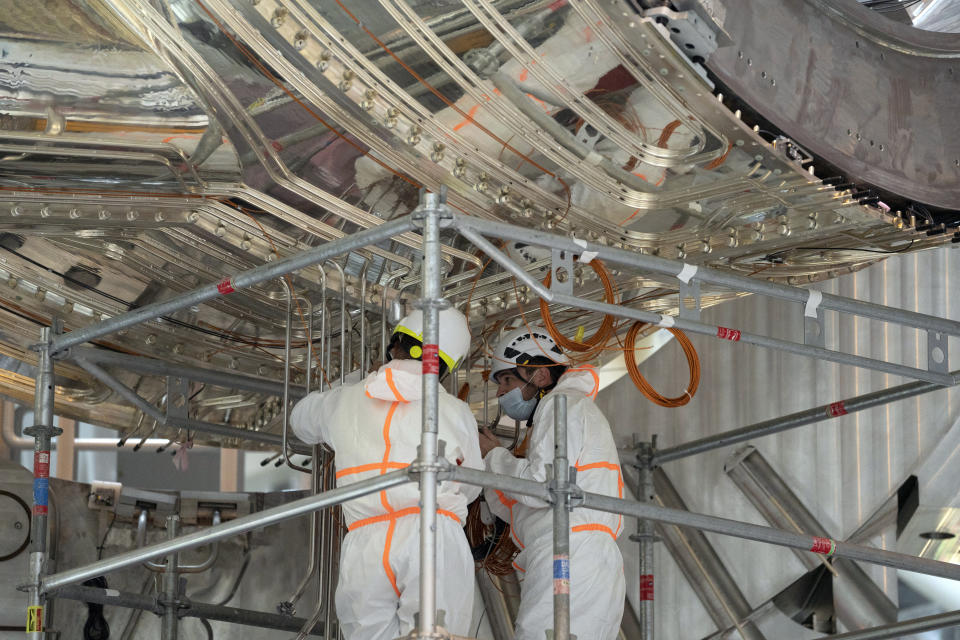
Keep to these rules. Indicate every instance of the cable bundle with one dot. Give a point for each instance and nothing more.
(693, 361)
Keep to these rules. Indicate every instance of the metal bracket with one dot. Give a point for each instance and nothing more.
(690, 291)
(691, 34)
(42, 430)
(178, 397)
(814, 331)
(573, 494)
(561, 272)
(937, 355)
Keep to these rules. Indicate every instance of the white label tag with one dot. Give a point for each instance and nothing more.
(666, 322)
(686, 274)
(813, 302)
(585, 256)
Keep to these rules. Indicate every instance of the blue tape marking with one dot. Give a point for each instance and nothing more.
(561, 569)
(41, 489)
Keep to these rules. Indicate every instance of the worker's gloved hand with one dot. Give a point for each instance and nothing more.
(488, 441)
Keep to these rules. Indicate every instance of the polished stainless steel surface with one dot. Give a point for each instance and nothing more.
(150, 148)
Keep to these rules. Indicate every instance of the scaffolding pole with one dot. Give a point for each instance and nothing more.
(644, 492)
(906, 628)
(228, 529)
(560, 490)
(814, 544)
(693, 326)
(188, 608)
(229, 285)
(673, 268)
(432, 208)
(799, 419)
(42, 432)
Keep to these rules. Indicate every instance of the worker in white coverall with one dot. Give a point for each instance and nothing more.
(530, 370)
(374, 428)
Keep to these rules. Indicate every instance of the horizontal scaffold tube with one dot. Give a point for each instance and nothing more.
(186, 608)
(799, 419)
(705, 274)
(241, 280)
(227, 529)
(724, 526)
(152, 366)
(700, 327)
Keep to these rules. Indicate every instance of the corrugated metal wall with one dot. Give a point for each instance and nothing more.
(842, 469)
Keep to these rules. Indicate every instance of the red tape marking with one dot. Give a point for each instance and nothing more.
(431, 359)
(836, 409)
(826, 546)
(225, 287)
(41, 464)
(728, 334)
(646, 587)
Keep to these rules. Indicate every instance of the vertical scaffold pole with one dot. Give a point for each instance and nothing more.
(42, 432)
(646, 537)
(171, 585)
(429, 211)
(561, 522)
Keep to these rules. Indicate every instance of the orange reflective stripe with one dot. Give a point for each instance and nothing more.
(594, 527)
(391, 576)
(381, 466)
(393, 387)
(611, 466)
(518, 567)
(596, 379)
(508, 503)
(393, 515)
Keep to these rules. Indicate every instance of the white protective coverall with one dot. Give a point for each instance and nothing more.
(374, 427)
(597, 586)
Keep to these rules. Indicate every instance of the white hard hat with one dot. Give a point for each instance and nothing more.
(522, 345)
(454, 343)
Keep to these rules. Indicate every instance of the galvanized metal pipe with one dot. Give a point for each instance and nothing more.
(430, 209)
(859, 602)
(288, 335)
(242, 280)
(228, 529)
(705, 572)
(496, 604)
(152, 366)
(814, 544)
(699, 327)
(904, 629)
(645, 537)
(171, 586)
(561, 521)
(799, 419)
(42, 432)
(191, 609)
(705, 274)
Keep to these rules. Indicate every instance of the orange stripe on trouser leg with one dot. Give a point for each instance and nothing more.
(409, 511)
(386, 557)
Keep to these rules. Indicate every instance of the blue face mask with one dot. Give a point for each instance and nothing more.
(515, 406)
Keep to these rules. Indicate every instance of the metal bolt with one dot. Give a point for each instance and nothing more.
(18, 525)
(151, 339)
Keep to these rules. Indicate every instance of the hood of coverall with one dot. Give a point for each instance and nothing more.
(582, 380)
(397, 380)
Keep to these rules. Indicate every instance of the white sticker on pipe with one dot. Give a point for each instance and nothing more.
(686, 274)
(813, 302)
(666, 322)
(585, 256)
(113, 593)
